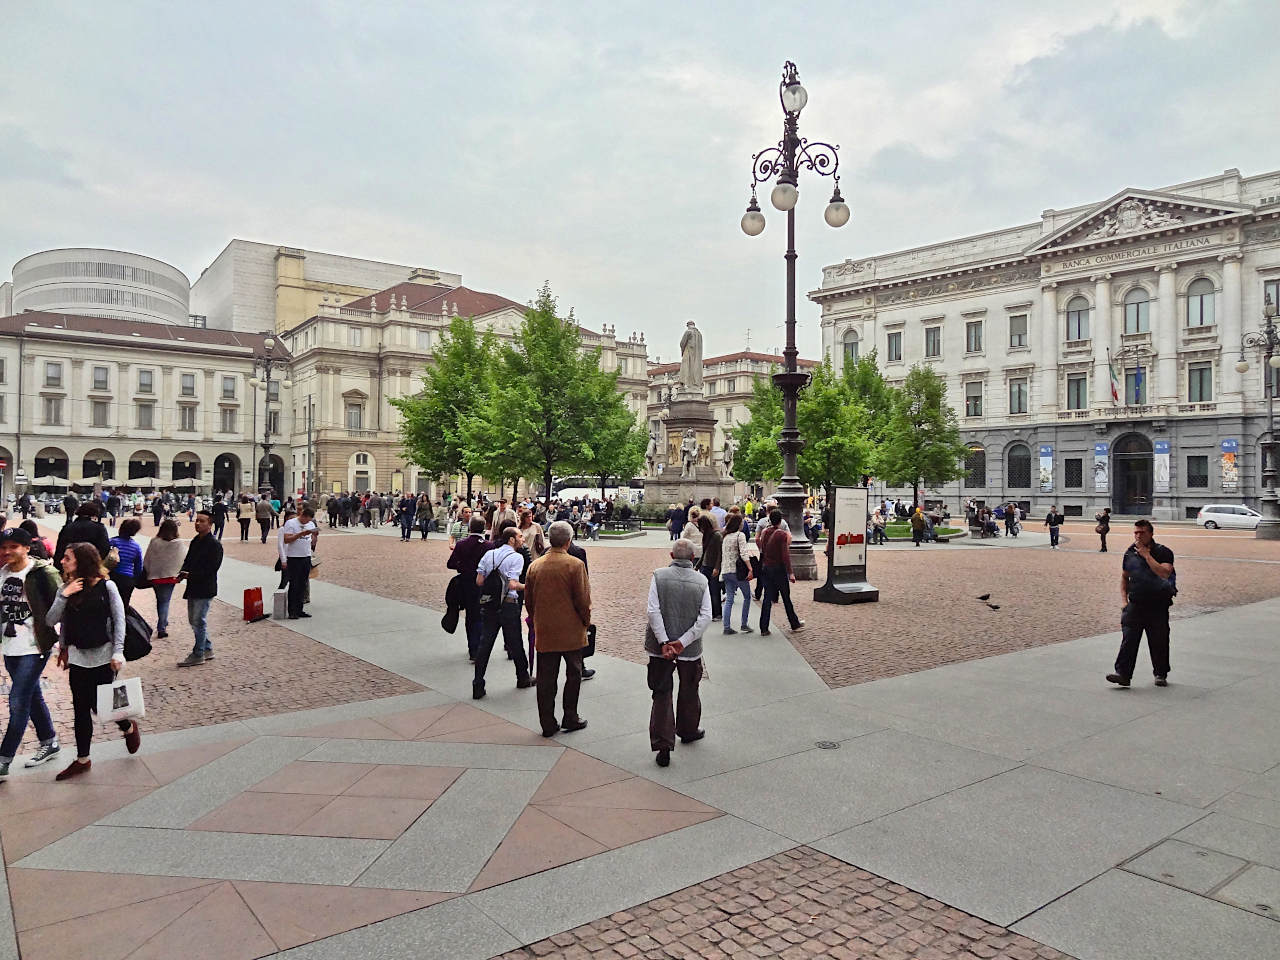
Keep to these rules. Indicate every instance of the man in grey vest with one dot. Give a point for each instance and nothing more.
(679, 610)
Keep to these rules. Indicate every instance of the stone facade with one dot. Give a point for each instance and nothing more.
(1027, 324)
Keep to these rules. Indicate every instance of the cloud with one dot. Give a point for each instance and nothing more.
(22, 159)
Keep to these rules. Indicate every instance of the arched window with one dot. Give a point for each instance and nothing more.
(1019, 467)
(851, 346)
(1078, 319)
(1200, 297)
(975, 465)
(1137, 306)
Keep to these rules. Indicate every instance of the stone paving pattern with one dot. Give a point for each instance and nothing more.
(797, 905)
(927, 616)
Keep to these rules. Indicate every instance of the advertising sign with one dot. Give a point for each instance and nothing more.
(1161, 466)
(1101, 466)
(847, 549)
(1046, 468)
(1230, 474)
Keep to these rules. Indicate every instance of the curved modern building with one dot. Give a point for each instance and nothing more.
(101, 283)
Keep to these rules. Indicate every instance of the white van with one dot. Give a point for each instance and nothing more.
(1228, 516)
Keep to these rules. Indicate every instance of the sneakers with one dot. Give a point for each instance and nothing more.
(46, 752)
(1117, 679)
(1161, 681)
(729, 631)
(4, 771)
(192, 660)
(798, 626)
(588, 673)
(745, 629)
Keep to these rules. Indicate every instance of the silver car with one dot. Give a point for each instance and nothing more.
(1227, 515)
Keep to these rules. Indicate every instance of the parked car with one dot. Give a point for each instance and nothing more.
(1227, 515)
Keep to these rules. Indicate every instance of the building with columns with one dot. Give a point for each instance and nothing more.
(89, 398)
(1090, 355)
(352, 357)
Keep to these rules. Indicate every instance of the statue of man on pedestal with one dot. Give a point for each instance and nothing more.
(691, 360)
(727, 452)
(688, 454)
(651, 455)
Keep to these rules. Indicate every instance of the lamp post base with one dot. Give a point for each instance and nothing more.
(1269, 527)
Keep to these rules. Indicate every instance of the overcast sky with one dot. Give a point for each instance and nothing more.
(606, 147)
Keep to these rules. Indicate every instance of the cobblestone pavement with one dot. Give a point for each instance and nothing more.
(797, 905)
(928, 614)
(260, 668)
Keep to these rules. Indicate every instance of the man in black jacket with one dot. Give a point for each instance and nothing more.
(85, 528)
(200, 571)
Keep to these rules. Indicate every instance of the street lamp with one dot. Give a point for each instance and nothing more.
(1267, 341)
(269, 361)
(783, 164)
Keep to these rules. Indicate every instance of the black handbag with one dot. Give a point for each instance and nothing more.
(590, 649)
(137, 635)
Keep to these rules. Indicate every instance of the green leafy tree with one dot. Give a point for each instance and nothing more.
(757, 457)
(454, 387)
(540, 410)
(615, 445)
(867, 386)
(833, 423)
(921, 445)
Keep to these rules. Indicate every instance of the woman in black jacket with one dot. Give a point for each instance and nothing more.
(709, 563)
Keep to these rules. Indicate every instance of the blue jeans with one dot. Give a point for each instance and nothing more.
(26, 702)
(731, 586)
(198, 617)
(406, 525)
(164, 594)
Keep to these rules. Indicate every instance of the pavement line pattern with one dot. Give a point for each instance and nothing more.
(490, 756)
(451, 842)
(189, 798)
(217, 856)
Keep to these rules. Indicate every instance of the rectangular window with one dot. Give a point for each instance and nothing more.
(1198, 472)
(273, 390)
(1073, 473)
(1135, 386)
(187, 418)
(228, 388)
(1018, 330)
(355, 336)
(1271, 288)
(1200, 383)
(973, 336)
(1137, 314)
(53, 411)
(1, 369)
(973, 399)
(1, 408)
(146, 416)
(1018, 395)
(1274, 373)
(730, 385)
(146, 381)
(98, 410)
(52, 374)
(228, 418)
(188, 384)
(893, 348)
(1078, 392)
(711, 388)
(100, 379)
(424, 339)
(273, 421)
(728, 415)
(1078, 324)
(933, 341)
(355, 416)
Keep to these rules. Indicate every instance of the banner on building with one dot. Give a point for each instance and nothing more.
(1101, 466)
(1161, 466)
(1046, 468)
(1230, 473)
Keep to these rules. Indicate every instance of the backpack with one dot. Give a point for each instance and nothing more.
(137, 635)
(494, 590)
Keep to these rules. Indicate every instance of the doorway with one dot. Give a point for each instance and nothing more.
(1132, 459)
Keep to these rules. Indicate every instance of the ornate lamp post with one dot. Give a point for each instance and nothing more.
(268, 361)
(1267, 342)
(783, 163)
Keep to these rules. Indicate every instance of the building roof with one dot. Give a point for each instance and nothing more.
(430, 298)
(34, 322)
(771, 358)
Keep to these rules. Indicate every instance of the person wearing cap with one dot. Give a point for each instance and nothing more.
(27, 590)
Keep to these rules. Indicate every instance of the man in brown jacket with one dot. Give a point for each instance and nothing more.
(558, 596)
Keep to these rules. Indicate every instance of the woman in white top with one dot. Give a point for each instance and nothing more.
(734, 548)
(693, 534)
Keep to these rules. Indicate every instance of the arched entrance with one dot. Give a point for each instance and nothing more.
(1132, 466)
(51, 462)
(98, 465)
(226, 473)
(186, 466)
(143, 463)
(275, 475)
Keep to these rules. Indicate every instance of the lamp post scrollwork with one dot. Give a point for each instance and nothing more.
(1266, 341)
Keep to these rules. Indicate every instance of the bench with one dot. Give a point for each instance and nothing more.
(623, 526)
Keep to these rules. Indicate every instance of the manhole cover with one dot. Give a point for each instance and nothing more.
(827, 745)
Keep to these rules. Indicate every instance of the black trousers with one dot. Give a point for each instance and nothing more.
(714, 584)
(548, 681)
(298, 570)
(84, 702)
(265, 526)
(507, 619)
(124, 584)
(666, 724)
(776, 584)
(1152, 619)
(244, 528)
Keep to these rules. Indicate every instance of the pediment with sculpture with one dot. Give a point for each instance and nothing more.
(1135, 213)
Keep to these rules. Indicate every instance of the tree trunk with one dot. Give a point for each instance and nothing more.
(603, 478)
(469, 478)
(915, 492)
(546, 479)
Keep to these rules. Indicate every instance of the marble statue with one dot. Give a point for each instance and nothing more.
(727, 454)
(691, 360)
(651, 455)
(689, 450)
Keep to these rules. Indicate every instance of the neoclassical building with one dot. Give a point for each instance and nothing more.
(352, 357)
(1090, 355)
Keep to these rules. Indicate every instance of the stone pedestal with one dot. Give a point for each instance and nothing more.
(688, 412)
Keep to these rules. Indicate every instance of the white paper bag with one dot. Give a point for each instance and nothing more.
(120, 700)
(280, 605)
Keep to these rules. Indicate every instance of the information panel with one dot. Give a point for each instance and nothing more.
(847, 550)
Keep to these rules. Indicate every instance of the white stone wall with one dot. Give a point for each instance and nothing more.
(88, 281)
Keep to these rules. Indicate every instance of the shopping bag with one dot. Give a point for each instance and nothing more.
(280, 605)
(121, 699)
(253, 603)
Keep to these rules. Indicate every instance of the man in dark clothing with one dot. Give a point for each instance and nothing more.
(85, 528)
(200, 571)
(465, 559)
(775, 561)
(1054, 522)
(1148, 585)
(333, 505)
(576, 551)
(408, 510)
(70, 504)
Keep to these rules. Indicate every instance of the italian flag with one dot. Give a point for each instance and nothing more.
(1115, 380)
